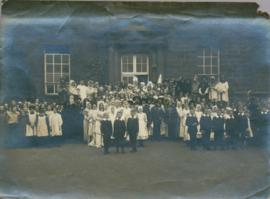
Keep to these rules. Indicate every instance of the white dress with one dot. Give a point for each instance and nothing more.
(31, 129)
(143, 133)
(83, 90)
(181, 124)
(198, 116)
(56, 123)
(42, 127)
(86, 124)
(97, 136)
(185, 128)
(223, 91)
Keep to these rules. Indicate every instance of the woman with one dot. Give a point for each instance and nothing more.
(97, 137)
(86, 114)
(143, 133)
(92, 115)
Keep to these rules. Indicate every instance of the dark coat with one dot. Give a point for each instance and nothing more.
(106, 128)
(206, 123)
(132, 126)
(192, 123)
(157, 114)
(230, 126)
(218, 124)
(119, 129)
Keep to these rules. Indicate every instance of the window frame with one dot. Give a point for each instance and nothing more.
(134, 64)
(53, 73)
(212, 55)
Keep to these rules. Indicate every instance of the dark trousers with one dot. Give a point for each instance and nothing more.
(133, 141)
(106, 143)
(232, 141)
(156, 129)
(206, 138)
(119, 143)
(193, 139)
(218, 142)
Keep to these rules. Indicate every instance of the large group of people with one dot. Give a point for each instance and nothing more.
(198, 112)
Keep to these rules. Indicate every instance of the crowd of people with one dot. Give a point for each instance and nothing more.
(198, 112)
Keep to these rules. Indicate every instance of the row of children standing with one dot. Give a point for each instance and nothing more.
(26, 124)
(105, 125)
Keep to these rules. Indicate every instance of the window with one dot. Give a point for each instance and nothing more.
(56, 67)
(209, 63)
(134, 66)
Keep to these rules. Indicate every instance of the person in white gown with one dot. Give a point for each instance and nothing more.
(97, 137)
(92, 115)
(86, 115)
(83, 90)
(179, 108)
(42, 124)
(143, 133)
(186, 111)
(31, 129)
(56, 123)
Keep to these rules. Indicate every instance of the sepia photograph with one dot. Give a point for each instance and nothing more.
(134, 100)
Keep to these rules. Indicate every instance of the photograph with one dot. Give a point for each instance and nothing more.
(134, 100)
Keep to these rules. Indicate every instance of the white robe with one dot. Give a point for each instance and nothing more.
(223, 91)
(31, 129)
(97, 140)
(56, 123)
(86, 124)
(42, 127)
(183, 128)
(143, 133)
(83, 90)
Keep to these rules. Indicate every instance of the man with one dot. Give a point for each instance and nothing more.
(191, 123)
(106, 131)
(119, 129)
(132, 130)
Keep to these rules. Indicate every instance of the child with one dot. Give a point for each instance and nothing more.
(132, 129)
(230, 129)
(143, 133)
(206, 128)
(42, 124)
(106, 131)
(31, 123)
(218, 128)
(191, 123)
(56, 123)
(119, 129)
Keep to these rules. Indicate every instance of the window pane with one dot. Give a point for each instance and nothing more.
(207, 61)
(128, 80)
(139, 68)
(65, 59)
(49, 77)
(57, 68)
(50, 88)
(214, 70)
(49, 68)
(127, 68)
(49, 58)
(65, 68)
(57, 59)
(144, 67)
(57, 78)
(207, 70)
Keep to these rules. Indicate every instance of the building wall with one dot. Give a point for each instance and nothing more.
(173, 42)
